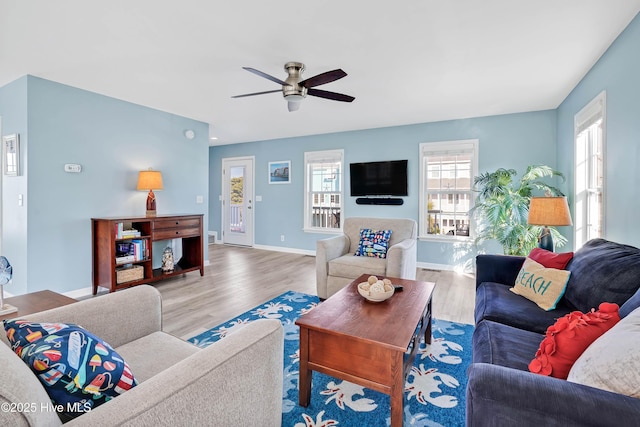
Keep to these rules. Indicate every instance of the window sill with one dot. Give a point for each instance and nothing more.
(323, 230)
(446, 239)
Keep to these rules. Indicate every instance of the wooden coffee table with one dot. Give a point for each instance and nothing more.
(350, 338)
(36, 302)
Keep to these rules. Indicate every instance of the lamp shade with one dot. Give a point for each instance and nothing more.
(149, 180)
(549, 211)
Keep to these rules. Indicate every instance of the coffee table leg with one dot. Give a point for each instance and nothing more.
(397, 391)
(427, 333)
(304, 379)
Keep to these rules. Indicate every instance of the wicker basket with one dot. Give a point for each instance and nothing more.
(129, 274)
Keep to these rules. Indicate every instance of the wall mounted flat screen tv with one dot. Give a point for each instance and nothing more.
(387, 178)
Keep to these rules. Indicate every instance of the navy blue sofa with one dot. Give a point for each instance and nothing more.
(509, 328)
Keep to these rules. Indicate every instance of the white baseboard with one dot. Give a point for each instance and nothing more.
(432, 266)
(284, 249)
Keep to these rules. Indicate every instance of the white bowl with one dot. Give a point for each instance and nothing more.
(363, 289)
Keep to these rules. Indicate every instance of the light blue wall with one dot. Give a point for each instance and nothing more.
(617, 72)
(510, 141)
(13, 110)
(112, 140)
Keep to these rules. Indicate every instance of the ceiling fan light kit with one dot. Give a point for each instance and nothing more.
(295, 90)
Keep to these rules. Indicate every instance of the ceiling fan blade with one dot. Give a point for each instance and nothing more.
(330, 95)
(293, 106)
(257, 93)
(323, 78)
(265, 75)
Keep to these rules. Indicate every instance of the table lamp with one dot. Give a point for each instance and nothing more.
(6, 273)
(150, 180)
(548, 211)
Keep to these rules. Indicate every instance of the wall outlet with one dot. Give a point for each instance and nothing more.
(199, 199)
(282, 237)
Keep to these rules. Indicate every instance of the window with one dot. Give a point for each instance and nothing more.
(323, 190)
(446, 178)
(589, 125)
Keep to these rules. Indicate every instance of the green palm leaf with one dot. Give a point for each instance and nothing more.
(502, 207)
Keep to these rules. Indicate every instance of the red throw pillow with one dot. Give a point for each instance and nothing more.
(551, 259)
(569, 337)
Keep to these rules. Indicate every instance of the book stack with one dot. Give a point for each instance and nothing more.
(121, 233)
(133, 251)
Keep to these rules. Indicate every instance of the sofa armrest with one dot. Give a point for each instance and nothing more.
(401, 259)
(229, 383)
(499, 396)
(498, 268)
(326, 250)
(118, 318)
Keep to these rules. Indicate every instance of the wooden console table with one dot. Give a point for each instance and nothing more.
(105, 237)
(35, 302)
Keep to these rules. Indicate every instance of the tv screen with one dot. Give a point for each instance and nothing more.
(379, 178)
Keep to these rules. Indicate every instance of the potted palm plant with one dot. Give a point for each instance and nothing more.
(502, 207)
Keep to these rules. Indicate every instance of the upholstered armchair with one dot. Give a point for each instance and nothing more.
(336, 265)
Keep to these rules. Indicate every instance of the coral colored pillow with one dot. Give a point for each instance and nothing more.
(569, 337)
(544, 286)
(551, 259)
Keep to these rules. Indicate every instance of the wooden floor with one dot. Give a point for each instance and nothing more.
(239, 279)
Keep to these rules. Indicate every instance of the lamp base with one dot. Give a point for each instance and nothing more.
(6, 309)
(545, 241)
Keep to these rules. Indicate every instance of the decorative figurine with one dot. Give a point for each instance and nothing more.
(167, 260)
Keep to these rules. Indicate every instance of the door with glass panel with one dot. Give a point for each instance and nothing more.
(237, 201)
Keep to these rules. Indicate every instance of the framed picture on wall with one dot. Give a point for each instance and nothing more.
(280, 172)
(11, 154)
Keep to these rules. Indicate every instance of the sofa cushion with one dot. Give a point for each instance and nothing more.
(612, 362)
(142, 354)
(494, 301)
(631, 304)
(603, 271)
(78, 370)
(353, 266)
(504, 345)
(551, 259)
(19, 385)
(373, 243)
(567, 339)
(544, 286)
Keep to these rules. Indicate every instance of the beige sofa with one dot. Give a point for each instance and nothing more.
(336, 265)
(234, 382)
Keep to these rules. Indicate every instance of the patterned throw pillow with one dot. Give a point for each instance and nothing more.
(544, 286)
(78, 370)
(569, 337)
(373, 243)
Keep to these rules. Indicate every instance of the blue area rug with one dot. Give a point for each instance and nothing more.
(434, 389)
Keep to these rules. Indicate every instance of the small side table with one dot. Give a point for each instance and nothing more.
(35, 302)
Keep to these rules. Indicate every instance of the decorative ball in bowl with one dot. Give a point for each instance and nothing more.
(375, 290)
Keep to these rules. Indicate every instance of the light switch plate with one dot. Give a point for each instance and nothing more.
(72, 167)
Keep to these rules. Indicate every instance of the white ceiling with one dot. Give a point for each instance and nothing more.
(408, 61)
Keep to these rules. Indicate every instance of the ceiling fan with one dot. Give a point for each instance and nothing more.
(295, 90)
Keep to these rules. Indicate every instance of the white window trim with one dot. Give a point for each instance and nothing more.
(316, 156)
(446, 146)
(582, 120)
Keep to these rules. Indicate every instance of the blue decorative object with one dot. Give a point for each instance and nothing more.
(78, 370)
(373, 243)
(6, 271)
(434, 389)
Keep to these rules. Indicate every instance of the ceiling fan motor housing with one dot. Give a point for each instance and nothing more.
(292, 91)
